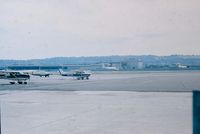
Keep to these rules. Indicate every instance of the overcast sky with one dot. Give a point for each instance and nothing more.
(48, 28)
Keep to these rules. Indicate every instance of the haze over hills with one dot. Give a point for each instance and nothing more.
(146, 59)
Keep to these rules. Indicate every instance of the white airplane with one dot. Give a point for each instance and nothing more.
(79, 75)
(112, 68)
(40, 73)
(14, 76)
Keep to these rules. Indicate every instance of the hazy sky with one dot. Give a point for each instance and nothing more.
(48, 28)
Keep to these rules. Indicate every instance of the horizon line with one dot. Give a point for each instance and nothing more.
(100, 56)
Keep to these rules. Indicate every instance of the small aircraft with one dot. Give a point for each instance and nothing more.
(79, 75)
(109, 67)
(40, 73)
(15, 76)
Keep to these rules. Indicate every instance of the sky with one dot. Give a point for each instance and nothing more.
(31, 29)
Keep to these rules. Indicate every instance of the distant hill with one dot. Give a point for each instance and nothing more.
(146, 59)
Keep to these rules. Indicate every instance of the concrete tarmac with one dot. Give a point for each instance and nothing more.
(108, 103)
(174, 81)
(99, 112)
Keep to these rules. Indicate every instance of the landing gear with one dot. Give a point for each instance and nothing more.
(80, 78)
(12, 82)
(20, 82)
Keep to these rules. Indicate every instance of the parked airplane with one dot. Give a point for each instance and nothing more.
(15, 76)
(109, 67)
(79, 75)
(40, 73)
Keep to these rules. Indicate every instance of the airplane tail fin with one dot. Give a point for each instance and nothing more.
(61, 71)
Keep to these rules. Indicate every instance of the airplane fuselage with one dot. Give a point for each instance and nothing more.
(14, 77)
(79, 75)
